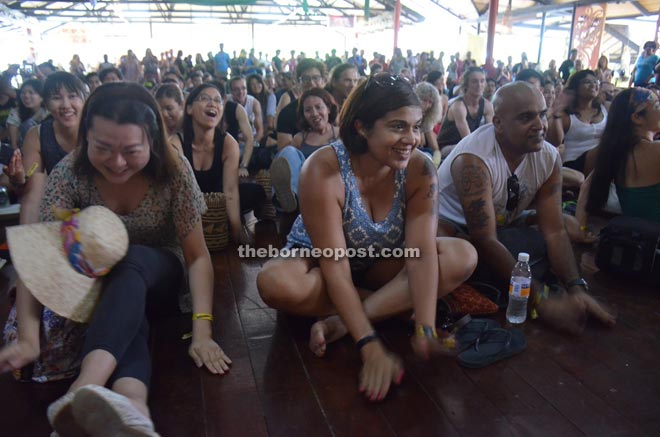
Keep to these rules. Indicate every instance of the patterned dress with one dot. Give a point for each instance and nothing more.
(360, 231)
(162, 220)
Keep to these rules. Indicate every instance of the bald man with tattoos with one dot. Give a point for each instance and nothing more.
(492, 178)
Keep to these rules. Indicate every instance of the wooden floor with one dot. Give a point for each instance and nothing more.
(604, 383)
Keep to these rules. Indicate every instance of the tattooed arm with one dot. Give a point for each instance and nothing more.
(421, 226)
(475, 191)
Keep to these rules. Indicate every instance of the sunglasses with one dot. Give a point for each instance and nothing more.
(512, 193)
(385, 80)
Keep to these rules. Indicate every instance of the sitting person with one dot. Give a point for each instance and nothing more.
(239, 95)
(317, 112)
(491, 178)
(373, 191)
(343, 79)
(124, 163)
(310, 74)
(29, 112)
(466, 112)
(432, 112)
(578, 121)
(170, 101)
(629, 157)
(214, 156)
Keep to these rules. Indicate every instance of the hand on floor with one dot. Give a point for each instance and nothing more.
(379, 369)
(206, 352)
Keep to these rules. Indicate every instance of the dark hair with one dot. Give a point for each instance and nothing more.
(169, 91)
(618, 140)
(465, 79)
(188, 132)
(433, 76)
(236, 79)
(339, 69)
(262, 97)
(327, 99)
(128, 103)
(104, 73)
(370, 101)
(574, 83)
(527, 74)
(23, 112)
(62, 79)
(308, 64)
(88, 76)
(650, 44)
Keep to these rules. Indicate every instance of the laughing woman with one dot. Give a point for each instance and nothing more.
(214, 154)
(373, 191)
(124, 163)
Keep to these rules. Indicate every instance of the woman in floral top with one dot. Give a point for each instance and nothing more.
(125, 164)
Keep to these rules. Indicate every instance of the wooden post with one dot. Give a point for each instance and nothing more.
(492, 22)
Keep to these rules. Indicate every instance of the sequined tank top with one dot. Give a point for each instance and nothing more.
(360, 231)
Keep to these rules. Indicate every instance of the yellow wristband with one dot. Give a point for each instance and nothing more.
(202, 316)
(583, 228)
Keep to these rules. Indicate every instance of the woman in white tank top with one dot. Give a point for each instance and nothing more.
(578, 121)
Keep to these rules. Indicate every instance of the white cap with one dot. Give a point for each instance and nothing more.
(524, 257)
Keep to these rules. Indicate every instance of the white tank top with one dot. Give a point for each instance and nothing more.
(532, 173)
(582, 137)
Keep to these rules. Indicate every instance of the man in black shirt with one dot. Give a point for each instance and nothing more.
(566, 67)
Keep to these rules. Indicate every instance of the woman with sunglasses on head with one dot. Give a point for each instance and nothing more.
(373, 190)
(126, 164)
(628, 157)
(578, 120)
(214, 156)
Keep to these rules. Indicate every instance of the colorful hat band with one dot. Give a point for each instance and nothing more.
(69, 231)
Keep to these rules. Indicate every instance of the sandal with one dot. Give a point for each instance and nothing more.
(471, 331)
(494, 345)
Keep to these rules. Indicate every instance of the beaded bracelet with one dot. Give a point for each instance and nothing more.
(366, 339)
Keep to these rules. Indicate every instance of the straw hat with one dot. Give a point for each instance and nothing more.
(41, 261)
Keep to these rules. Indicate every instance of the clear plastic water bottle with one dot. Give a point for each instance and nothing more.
(519, 288)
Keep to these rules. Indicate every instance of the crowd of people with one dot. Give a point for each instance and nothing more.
(460, 161)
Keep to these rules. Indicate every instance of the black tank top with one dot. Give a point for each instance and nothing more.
(51, 151)
(231, 122)
(449, 134)
(209, 181)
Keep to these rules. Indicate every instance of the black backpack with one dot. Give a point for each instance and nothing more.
(630, 247)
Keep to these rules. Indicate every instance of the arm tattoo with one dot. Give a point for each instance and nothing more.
(472, 181)
(428, 169)
(556, 188)
(432, 193)
(475, 214)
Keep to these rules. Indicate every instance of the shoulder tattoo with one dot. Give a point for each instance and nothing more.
(472, 180)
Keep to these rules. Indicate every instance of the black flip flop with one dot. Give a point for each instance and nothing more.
(470, 332)
(494, 345)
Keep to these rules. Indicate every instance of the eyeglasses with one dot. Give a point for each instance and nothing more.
(205, 99)
(308, 79)
(512, 193)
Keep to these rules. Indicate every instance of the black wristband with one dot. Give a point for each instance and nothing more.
(366, 339)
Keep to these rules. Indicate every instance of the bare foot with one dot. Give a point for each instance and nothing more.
(324, 332)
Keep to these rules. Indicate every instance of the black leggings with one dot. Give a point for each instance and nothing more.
(252, 196)
(146, 278)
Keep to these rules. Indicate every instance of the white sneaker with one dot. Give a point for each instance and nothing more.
(60, 416)
(104, 413)
(280, 176)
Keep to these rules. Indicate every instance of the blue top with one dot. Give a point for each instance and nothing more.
(360, 231)
(221, 62)
(642, 202)
(645, 66)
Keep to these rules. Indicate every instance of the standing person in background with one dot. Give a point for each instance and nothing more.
(603, 73)
(643, 70)
(398, 62)
(568, 66)
(105, 64)
(132, 70)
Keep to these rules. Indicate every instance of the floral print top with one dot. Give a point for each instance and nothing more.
(163, 219)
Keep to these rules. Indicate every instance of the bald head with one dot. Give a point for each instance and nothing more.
(512, 94)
